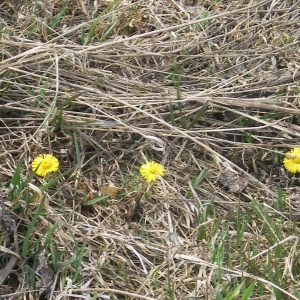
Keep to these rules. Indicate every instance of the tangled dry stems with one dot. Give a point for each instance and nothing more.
(239, 60)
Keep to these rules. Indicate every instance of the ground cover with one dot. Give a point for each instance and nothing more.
(209, 90)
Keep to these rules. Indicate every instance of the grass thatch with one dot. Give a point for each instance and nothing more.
(209, 89)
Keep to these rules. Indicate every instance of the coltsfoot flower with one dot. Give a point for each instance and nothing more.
(150, 170)
(291, 160)
(44, 164)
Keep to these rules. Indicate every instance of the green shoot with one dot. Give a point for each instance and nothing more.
(200, 112)
(18, 192)
(50, 234)
(281, 197)
(58, 17)
(235, 292)
(92, 30)
(248, 291)
(274, 234)
(58, 118)
(176, 82)
(95, 23)
(201, 218)
(77, 149)
(55, 180)
(40, 95)
(27, 245)
(49, 112)
(195, 182)
(172, 116)
(79, 253)
(109, 31)
(241, 225)
(98, 199)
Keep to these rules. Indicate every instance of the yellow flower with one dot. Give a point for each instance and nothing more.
(150, 170)
(44, 164)
(291, 160)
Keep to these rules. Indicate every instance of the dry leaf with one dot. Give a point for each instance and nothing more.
(109, 190)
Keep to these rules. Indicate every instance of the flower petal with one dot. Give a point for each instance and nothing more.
(44, 164)
(151, 170)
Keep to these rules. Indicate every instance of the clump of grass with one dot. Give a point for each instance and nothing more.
(101, 85)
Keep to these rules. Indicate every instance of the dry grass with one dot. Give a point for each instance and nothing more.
(204, 87)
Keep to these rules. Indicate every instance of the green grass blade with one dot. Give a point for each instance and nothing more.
(200, 112)
(58, 16)
(98, 199)
(18, 184)
(172, 116)
(58, 119)
(49, 113)
(248, 291)
(93, 28)
(50, 234)
(16, 179)
(274, 233)
(78, 262)
(54, 180)
(40, 95)
(109, 31)
(26, 242)
(77, 150)
(195, 182)
(233, 294)
(66, 263)
(91, 32)
(176, 83)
